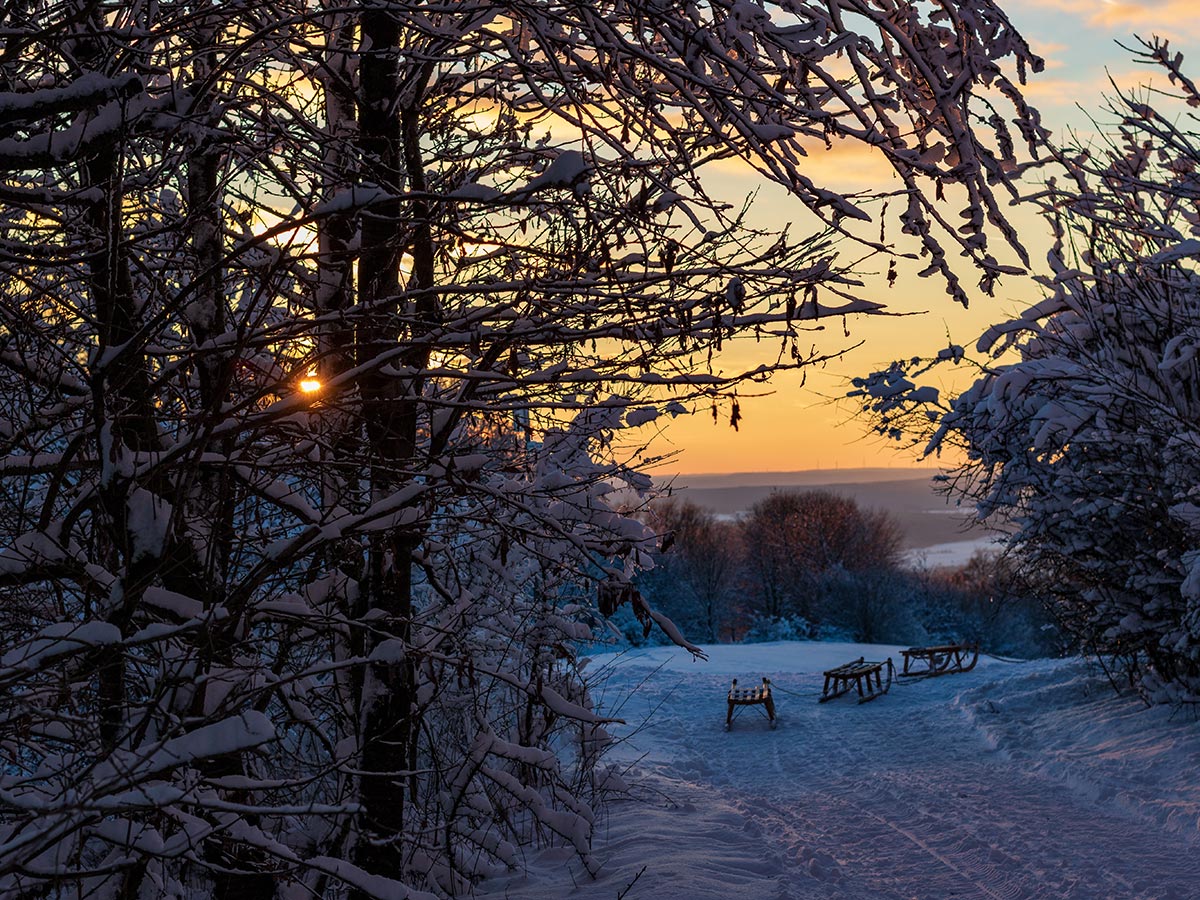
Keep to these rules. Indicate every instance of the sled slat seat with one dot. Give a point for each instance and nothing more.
(863, 675)
(940, 659)
(759, 695)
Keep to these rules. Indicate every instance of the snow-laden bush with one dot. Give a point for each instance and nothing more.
(764, 629)
(875, 606)
(990, 602)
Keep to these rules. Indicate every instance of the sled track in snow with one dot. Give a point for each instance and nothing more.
(967, 787)
(837, 835)
(838, 839)
(898, 799)
(982, 866)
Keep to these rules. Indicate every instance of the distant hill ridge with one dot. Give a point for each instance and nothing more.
(802, 478)
(926, 517)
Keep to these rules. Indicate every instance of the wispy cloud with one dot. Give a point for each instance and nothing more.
(1051, 51)
(846, 165)
(1047, 91)
(1167, 18)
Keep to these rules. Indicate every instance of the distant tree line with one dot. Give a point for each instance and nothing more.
(814, 565)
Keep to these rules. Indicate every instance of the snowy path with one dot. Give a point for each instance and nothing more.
(1008, 782)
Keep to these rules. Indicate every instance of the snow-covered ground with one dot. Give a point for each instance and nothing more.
(1029, 780)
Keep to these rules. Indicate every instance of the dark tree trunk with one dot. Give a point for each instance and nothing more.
(389, 408)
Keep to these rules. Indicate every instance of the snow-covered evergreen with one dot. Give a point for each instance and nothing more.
(1082, 428)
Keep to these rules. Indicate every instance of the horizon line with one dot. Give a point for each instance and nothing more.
(710, 474)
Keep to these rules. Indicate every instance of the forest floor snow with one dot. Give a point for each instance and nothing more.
(1027, 780)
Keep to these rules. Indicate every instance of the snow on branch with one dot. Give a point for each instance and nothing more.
(334, 349)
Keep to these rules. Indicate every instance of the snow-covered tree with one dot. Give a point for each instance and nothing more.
(696, 575)
(325, 338)
(796, 539)
(1083, 429)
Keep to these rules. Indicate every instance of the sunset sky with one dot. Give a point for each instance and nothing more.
(802, 428)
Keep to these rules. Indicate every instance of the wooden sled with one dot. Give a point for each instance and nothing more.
(755, 696)
(944, 659)
(862, 674)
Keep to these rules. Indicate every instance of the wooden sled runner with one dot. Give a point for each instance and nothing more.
(863, 674)
(755, 696)
(944, 659)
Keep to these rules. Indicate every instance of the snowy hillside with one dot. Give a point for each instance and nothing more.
(1027, 780)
